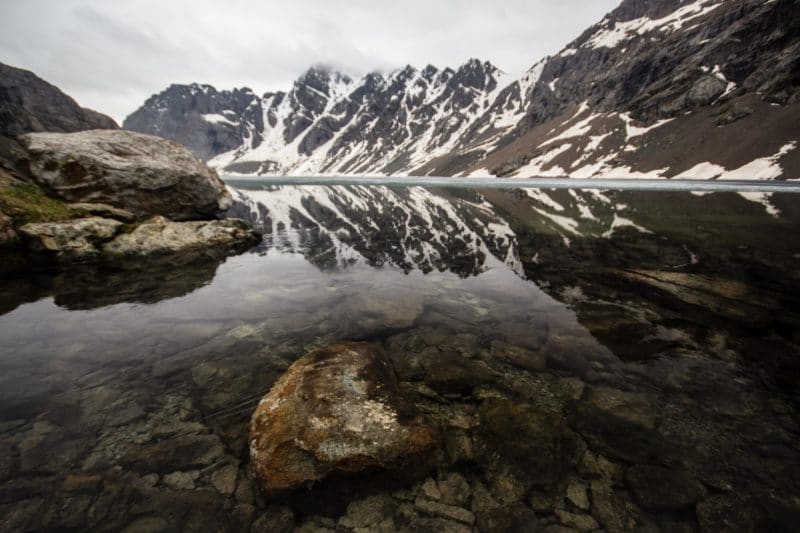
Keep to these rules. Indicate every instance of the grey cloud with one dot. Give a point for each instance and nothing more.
(111, 56)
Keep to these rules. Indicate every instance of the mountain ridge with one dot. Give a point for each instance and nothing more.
(657, 88)
(30, 104)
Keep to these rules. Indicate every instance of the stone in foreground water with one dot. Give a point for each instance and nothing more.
(337, 409)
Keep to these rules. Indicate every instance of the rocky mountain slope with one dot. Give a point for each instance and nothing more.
(663, 88)
(30, 104)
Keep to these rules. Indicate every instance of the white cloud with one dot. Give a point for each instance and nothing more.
(111, 56)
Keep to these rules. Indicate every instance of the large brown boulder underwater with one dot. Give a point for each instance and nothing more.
(336, 410)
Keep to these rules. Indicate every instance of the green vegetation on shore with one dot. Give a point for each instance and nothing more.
(25, 202)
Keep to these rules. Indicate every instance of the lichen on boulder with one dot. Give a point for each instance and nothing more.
(70, 240)
(336, 410)
(98, 238)
(158, 237)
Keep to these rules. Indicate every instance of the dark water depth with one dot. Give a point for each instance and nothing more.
(594, 359)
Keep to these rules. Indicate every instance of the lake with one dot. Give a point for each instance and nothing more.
(593, 359)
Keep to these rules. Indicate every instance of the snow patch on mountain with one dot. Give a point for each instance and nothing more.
(215, 118)
(612, 33)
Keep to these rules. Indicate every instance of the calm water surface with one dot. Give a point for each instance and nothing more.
(595, 360)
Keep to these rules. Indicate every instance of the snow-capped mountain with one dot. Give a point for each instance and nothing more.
(659, 88)
(327, 122)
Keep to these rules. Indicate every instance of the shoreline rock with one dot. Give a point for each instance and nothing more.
(105, 239)
(70, 240)
(144, 174)
(102, 196)
(158, 237)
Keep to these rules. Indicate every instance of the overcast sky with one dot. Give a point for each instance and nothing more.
(112, 55)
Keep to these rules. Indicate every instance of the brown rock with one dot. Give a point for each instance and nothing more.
(276, 519)
(581, 522)
(656, 487)
(729, 298)
(337, 409)
(224, 479)
(630, 406)
(184, 452)
(727, 512)
(517, 356)
(609, 509)
(391, 309)
(576, 495)
(520, 448)
(82, 482)
(451, 512)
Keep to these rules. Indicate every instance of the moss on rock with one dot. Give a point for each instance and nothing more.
(25, 203)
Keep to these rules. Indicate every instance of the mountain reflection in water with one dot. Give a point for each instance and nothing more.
(657, 332)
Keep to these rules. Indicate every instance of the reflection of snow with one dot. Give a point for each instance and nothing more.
(621, 222)
(423, 226)
(762, 198)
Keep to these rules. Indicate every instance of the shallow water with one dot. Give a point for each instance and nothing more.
(576, 349)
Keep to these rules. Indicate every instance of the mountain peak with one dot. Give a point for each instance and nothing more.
(476, 73)
(323, 73)
(475, 64)
(429, 72)
(403, 74)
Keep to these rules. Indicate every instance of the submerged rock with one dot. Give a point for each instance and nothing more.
(141, 173)
(518, 356)
(388, 309)
(657, 487)
(724, 297)
(519, 448)
(335, 410)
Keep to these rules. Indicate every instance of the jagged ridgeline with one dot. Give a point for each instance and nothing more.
(327, 121)
(660, 88)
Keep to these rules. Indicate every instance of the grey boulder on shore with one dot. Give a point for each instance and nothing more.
(144, 174)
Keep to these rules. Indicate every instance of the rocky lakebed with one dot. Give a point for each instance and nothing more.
(402, 359)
